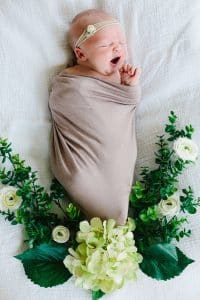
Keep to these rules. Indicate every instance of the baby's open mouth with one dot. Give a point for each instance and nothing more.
(115, 60)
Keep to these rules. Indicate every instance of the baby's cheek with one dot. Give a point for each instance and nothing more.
(125, 53)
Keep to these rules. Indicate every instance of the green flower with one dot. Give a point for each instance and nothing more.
(106, 256)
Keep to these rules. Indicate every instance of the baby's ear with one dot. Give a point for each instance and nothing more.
(80, 54)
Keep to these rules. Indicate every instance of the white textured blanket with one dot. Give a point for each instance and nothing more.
(164, 40)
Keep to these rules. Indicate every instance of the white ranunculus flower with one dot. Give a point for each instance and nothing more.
(60, 234)
(186, 149)
(170, 207)
(8, 199)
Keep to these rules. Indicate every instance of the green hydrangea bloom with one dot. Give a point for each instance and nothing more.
(106, 256)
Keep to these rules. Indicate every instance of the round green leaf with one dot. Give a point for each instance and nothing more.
(164, 261)
(44, 266)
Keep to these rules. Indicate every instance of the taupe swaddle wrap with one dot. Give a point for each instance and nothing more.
(93, 142)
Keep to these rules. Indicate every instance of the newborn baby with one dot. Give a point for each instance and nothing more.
(93, 145)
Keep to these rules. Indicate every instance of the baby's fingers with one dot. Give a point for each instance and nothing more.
(137, 73)
(125, 68)
(131, 70)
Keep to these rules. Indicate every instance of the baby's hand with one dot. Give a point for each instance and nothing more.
(129, 74)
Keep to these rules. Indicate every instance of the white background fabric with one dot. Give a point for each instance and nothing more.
(164, 40)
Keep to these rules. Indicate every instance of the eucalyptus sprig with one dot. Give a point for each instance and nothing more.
(172, 130)
(161, 182)
(36, 211)
(153, 196)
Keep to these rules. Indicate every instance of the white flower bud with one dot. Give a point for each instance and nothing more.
(8, 199)
(60, 234)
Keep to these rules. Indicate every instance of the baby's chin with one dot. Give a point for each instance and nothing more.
(110, 72)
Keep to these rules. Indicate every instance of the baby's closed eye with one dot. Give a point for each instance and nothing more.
(110, 44)
(105, 44)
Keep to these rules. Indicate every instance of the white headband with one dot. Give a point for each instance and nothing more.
(92, 29)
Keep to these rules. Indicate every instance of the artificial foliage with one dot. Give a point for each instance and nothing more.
(65, 243)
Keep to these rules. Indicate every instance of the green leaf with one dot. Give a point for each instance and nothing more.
(164, 261)
(44, 266)
(172, 117)
(97, 294)
(191, 209)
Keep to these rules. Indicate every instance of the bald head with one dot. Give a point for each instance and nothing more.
(80, 22)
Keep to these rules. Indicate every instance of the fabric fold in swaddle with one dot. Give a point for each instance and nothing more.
(93, 144)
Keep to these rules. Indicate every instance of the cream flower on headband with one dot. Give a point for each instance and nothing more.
(91, 29)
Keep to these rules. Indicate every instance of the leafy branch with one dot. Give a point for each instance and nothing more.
(161, 183)
(35, 212)
(172, 130)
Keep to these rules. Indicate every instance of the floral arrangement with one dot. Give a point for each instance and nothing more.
(101, 255)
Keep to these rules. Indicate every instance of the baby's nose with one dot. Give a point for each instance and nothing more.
(116, 47)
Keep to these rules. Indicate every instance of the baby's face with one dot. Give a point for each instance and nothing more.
(105, 52)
